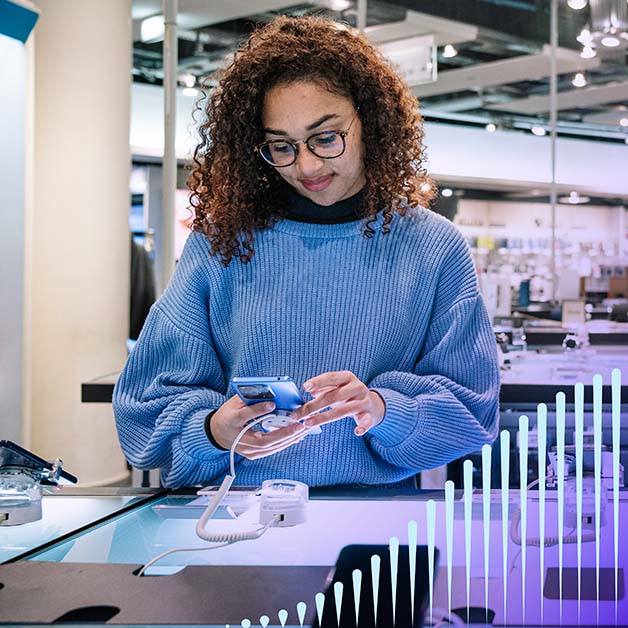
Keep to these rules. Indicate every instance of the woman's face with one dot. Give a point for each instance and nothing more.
(295, 112)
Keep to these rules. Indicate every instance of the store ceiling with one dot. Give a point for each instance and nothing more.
(500, 74)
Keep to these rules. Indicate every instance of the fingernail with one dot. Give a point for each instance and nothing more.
(307, 386)
(308, 422)
(269, 406)
(359, 431)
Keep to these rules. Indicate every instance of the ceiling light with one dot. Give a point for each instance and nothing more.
(585, 37)
(447, 192)
(577, 4)
(538, 130)
(588, 52)
(579, 80)
(449, 51)
(574, 199)
(491, 128)
(152, 29)
(610, 41)
(189, 80)
(626, 141)
(623, 122)
(190, 91)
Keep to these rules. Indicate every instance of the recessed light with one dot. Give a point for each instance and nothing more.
(610, 42)
(588, 52)
(538, 130)
(579, 80)
(190, 91)
(577, 4)
(623, 122)
(491, 128)
(449, 51)
(574, 199)
(447, 192)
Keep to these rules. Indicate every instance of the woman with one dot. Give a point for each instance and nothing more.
(311, 256)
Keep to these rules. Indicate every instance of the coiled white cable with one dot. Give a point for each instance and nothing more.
(223, 538)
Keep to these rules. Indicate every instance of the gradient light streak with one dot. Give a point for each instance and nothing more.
(412, 542)
(430, 510)
(356, 576)
(394, 571)
(486, 502)
(578, 437)
(338, 591)
(282, 616)
(467, 470)
(597, 440)
(616, 413)
(505, 480)
(560, 464)
(449, 522)
(541, 426)
(376, 562)
(319, 600)
(523, 504)
(301, 608)
(264, 620)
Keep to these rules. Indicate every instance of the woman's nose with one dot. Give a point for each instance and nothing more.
(307, 162)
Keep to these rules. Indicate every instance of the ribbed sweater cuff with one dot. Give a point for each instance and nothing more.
(194, 438)
(400, 420)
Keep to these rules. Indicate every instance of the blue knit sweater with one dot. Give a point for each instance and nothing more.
(400, 310)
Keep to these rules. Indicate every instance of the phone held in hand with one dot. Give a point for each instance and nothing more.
(282, 391)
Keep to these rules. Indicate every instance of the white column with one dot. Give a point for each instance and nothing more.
(77, 234)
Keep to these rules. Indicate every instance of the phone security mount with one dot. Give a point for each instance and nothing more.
(20, 492)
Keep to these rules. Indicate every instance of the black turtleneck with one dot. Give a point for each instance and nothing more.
(303, 209)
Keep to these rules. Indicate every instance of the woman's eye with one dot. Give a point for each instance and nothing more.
(280, 147)
(325, 140)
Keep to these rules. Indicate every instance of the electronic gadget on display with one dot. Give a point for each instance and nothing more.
(282, 391)
(22, 474)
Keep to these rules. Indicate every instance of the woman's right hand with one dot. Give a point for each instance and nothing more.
(229, 420)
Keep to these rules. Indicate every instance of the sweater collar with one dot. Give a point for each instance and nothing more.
(302, 209)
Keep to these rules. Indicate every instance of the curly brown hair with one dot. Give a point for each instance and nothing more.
(234, 192)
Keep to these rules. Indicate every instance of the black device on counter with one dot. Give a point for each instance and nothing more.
(354, 557)
(13, 457)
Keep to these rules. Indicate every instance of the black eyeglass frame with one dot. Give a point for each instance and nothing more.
(295, 148)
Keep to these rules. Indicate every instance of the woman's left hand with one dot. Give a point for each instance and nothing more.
(345, 395)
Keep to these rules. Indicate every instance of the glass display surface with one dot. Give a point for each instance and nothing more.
(62, 514)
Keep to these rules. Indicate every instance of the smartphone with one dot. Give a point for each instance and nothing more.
(12, 456)
(282, 391)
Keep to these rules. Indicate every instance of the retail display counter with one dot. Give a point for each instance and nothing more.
(93, 567)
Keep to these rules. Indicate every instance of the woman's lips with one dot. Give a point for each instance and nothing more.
(317, 185)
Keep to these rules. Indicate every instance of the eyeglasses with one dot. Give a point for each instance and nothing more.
(325, 145)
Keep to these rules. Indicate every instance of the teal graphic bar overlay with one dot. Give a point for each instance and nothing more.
(486, 514)
(338, 591)
(560, 457)
(282, 616)
(467, 470)
(449, 531)
(597, 440)
(412, 543)
(356, 577)
(616, 415)
(505, 479)
(375, 567)
(523, 503)
(579, 436)
(430, 510)
(541, 427)
(394, 573)
(301, 609)
(319, 601)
